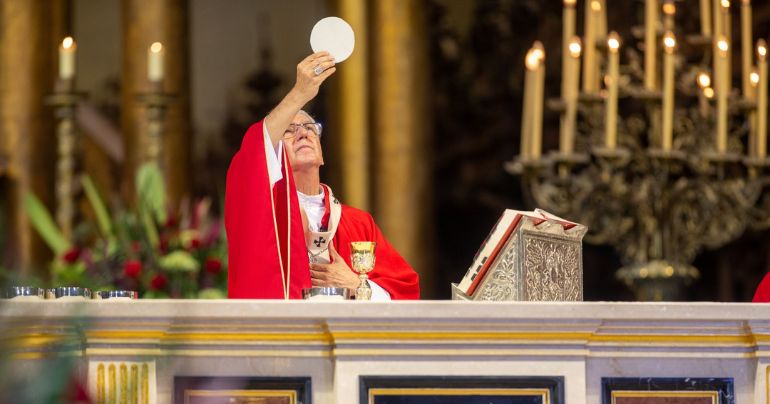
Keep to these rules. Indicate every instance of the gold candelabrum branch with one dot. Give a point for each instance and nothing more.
(64, 101)
(157, 102)
(680, 166)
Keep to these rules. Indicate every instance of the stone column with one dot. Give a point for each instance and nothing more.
(353, 107)
(401, 131)
(30, 33)
(145, 22)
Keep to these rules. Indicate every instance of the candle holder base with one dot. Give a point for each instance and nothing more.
(519, 165)
(556, 104)
(743, 105)
(700, 41)
(590, 98)
(667, 155)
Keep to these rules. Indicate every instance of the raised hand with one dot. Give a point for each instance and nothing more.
(311, 72)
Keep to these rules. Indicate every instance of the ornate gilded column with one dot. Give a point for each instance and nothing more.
(401, 132)
(353, 107)
(30, 32)
(145, 22)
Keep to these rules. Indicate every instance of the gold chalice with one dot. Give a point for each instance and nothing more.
(362, 258)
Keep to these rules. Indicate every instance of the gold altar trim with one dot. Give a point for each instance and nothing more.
(156, 336)
(543, 393)
(460, 352)
(290, 394)
(208, 352)
(539, 337)
(713, 395)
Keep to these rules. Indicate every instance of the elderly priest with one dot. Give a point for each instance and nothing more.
(286, 231)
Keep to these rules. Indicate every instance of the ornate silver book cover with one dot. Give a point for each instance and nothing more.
(540, 262)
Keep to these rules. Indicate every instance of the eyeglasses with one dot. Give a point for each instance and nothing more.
(313, 127)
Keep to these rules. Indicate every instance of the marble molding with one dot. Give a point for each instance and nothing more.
(335, 343)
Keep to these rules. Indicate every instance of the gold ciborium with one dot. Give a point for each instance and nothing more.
(362, 258)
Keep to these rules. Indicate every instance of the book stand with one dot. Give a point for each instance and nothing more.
(542, 262)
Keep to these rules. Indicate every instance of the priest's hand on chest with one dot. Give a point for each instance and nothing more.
(337, 274)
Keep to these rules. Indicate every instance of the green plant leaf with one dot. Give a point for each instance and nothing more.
(44, 224)
(151, 190)
(179, 261)
(102, 215)
(211, 293)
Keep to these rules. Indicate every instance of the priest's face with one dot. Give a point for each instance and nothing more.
(304, 145)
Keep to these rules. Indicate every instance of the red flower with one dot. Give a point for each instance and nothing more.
(163, 245)
(213, 265)
(158, 282)
(132, 268)
(194, 244)
(72, 255)
(171, 222)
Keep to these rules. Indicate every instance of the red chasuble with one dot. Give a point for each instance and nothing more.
(254, 267)
(762, 294)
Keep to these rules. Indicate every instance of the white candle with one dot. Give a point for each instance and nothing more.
(705, 18)
(669, 46)
(530, 64)
(567, 32)
(570, 91)
(613, 75)
(762, 99)
(590, 65)
(704, 82)
(747, 52)
(67, 58)
(722, 88)
(650, 39)
(155, 62)
(537, 100)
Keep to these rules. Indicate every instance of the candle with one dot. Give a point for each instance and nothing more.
(538, 82)
(570, 96)
(650, 38)
(669, 46)
(67, 58)
(752, 96)
(669, 10)
(567, 32)
(155, 62)
(705, 18)
(611, 112)
(530, 64)
(722, 88)
(728, 34)
(762, 99)
(589, 49)
(746, 49)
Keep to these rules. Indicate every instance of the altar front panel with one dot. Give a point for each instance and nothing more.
(337, 346)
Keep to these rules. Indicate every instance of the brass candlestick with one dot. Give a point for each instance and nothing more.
(64, 100)
(362, 257)
(156, 101)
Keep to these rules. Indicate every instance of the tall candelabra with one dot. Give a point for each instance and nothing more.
(681, 166)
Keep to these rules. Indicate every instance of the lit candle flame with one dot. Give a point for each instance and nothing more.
(596, 6)
(722, 45)
(704, 80)
(613, 42)
(761, 49)
(725, 3)
(708, 92)
(532, 60)
(669, 41)
(575, 48)
(669, 8)
(569, 2)
(156, 47)
(754, 77)
(68, 42)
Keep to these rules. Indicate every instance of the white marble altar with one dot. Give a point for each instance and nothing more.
(334, 343)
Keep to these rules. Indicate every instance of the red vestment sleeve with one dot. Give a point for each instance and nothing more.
(762, 295)
(391, 271)
(254, 267)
